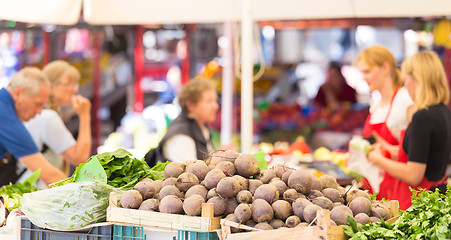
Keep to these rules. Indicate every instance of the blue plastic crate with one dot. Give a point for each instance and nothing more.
(125, 232)
(29, 231)
(194, 235)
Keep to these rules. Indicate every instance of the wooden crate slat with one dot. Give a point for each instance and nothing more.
(162, 220)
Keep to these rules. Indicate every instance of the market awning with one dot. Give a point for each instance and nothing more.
(68, 12)
(61, 12)
(207, 11)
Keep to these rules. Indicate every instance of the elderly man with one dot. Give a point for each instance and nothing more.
(21, 100)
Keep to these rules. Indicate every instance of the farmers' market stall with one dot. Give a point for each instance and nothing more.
(188, 197)
(266, 198)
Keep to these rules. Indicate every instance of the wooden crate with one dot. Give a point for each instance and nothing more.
(322, 231)
(393, 205)
(206, 222)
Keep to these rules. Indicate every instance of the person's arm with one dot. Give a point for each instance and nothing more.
(410, 172)
(392, 149)
(49, 173)
(230, 146)
(81, 151)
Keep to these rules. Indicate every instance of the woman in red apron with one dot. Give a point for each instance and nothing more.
(378, 67)
(426, 144)
(382, 129)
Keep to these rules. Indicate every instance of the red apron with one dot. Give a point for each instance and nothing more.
(401, 191)
(386, 186)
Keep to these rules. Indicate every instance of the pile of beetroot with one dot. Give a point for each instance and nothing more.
(241, 192)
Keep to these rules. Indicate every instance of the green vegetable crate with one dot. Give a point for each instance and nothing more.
(29, 231)
(322, 231)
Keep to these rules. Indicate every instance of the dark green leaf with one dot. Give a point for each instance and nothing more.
(352, 223)
(159, 167)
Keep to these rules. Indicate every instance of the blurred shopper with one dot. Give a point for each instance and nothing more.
(48, 129)
(389, 115)
(188, 136)
(426, 149)
(21, 100)
(335, 90)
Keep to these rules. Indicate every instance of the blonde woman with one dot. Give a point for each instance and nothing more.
(426, 148)
(48, 128)
(388, 116)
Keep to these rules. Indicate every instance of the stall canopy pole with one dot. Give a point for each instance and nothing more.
(46, 45)
(246, 78)
(448, 67)
(227, 87)
(139, 72)
(185, 61)
(96, 89)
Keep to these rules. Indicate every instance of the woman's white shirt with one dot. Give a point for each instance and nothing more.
(180, 148)
(48, 128)
(397, 118)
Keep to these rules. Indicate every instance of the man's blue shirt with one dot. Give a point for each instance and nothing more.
(14, 137)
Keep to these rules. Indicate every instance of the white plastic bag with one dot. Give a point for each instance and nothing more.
(67, 207)
(358, 162)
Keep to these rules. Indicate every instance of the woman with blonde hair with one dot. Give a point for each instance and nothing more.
(388, 116)
(426, 148)
(48, 130)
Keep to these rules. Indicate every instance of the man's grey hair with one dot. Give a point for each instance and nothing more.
(31, 79)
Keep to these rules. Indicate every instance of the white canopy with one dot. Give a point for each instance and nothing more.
(67, 12)
(61, 12)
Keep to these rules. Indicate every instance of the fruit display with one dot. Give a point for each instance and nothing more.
(321, 161)
(281, 122)
(293, 120)
(242, 193)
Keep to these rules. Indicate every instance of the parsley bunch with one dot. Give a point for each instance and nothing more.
(429, 217)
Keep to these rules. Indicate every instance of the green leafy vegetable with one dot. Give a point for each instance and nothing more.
(160, 166)
(122, 170)
(429, 217)
(373, 196)
(13, 193)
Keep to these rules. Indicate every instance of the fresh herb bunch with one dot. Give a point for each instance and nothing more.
(429, 217)
(377, 230)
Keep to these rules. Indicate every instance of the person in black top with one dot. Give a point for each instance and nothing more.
(426, 148)
(188, 136)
